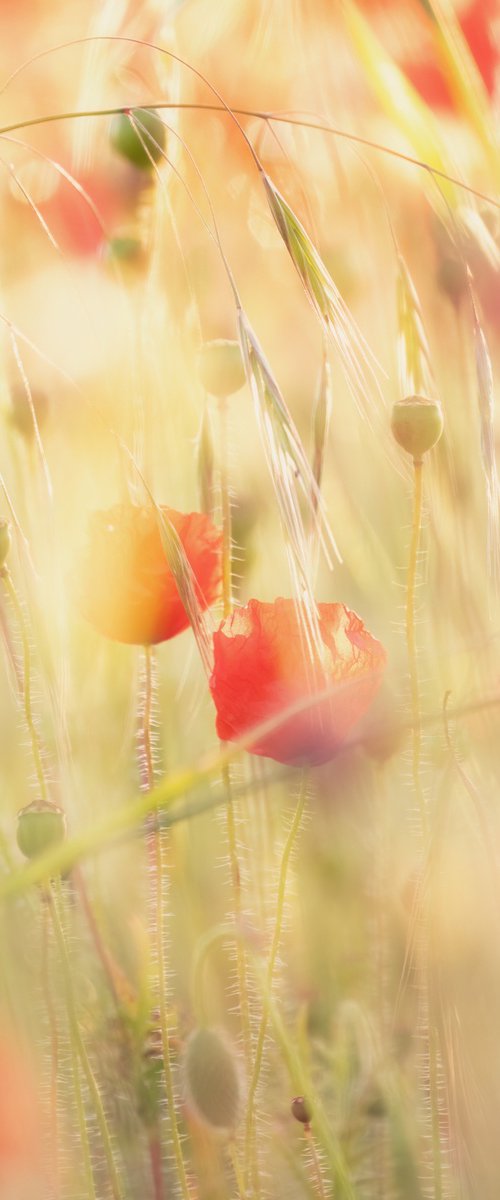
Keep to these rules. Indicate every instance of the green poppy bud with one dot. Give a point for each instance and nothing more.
(39, 826)
(417, 424)
(142, 143)
(220, 367)
(212, 1078)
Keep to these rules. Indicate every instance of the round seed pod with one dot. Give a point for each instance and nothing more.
(212, 1076)
(220, 367)
(144, 146)
(299, 1109)
(417, 424)
(21, 411)
(5, 541)
(39, 826)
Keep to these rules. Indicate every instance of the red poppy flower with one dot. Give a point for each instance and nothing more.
(261, 668)
(126, 589)
(477, 23)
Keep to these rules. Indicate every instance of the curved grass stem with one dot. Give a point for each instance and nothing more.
(251, 1166)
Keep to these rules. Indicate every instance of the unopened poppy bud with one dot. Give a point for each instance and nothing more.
(141, 140)
(300, 1110)
(39, 826)
(417, 424)
(5, 541)
(213, 1078)
(220, 367)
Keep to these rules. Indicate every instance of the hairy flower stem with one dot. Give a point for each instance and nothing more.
(250, 1161)
(154, 841)
(316, 1165)
(79, 1052)
(227, 601)
(227, 598)
(26, 683)
(411, 642)
(54, 1048)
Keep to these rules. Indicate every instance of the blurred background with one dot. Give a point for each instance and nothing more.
(111, 278)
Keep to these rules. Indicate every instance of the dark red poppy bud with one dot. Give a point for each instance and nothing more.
(300, 1110)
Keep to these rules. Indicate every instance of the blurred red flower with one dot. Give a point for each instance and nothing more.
(125, 587)
(477, 20)
(20, 1125)
(261, 667)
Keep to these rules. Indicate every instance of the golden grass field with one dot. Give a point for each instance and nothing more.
(250, 837)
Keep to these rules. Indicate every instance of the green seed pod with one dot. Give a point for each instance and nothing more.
(39, 826)
(22, 408)
(5, 541)
(417, 424)
(220, 367)
(142, 146)
(212, 1077)
(300, 1110)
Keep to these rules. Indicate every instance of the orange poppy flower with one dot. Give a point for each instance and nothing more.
(261, 668)
(126, 589)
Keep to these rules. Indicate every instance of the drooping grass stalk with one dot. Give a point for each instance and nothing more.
(26, 683)
(251, 1167)
(80, 1056)
(154, 840)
